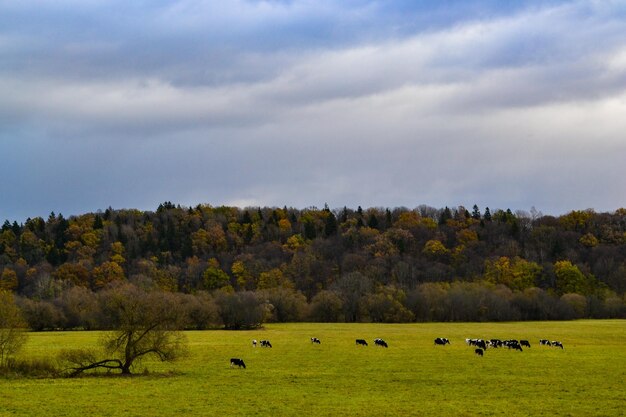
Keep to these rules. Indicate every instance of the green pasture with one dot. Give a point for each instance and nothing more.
(413, 377)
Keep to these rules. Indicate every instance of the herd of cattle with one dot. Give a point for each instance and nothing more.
(480, 345)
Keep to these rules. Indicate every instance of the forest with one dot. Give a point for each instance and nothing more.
(236, 268)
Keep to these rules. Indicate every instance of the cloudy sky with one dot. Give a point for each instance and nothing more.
(305, 102)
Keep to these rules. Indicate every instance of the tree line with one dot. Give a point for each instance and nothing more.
(238, 267)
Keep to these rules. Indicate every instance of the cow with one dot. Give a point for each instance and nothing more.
(315, 340)
(524, 343)
(442, 341)
(479, 351)
(496, 343)
(380, 342)
(361, 342)
(266, 343)
(556, 343)
(254, 343)
(477, 342)
(237, 362)
(545, 342)
(513, 344)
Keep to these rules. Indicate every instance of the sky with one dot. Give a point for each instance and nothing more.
(372, 103)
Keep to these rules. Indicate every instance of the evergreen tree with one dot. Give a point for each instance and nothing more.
(330, 227)
(372, 221)
(97, 222)
(475, 212)
(487, 215)
(446, 215)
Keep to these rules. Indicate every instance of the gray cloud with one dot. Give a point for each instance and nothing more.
(300, 103)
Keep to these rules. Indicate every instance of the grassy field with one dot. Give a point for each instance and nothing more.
(412, 377)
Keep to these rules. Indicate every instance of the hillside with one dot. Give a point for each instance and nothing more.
(372, 264)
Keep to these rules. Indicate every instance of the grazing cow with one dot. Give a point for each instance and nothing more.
(361, 342)
(254, 343)
(524, 343)
(266, 343)
(380, 342)
(442, 341)
(496, 343)
(557, 344)
(477, 342)
(479, 351)
(237, 362)
(315, 340)
(545, 342)
(513, 344)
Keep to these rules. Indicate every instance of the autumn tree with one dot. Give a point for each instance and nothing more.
(12, 327)
(214, 277)
(516, 273)
(570, 279)
(8, 280)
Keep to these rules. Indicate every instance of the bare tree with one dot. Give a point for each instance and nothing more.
(142, 324)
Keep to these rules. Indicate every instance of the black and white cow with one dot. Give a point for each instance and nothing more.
(545, 342)
(477, 342)
(361, 342)
(512, 344)
(496, 343)
(479, 351)
(524, 343)
(315, 340)
(442, 341)
(237, 362)
(266, 343)
(380, 342)
(254, 343)
(556, 343)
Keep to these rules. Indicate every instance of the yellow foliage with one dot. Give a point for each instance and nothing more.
(407, 220)
(294, 243)
(465, 236)
(117, 248)
(434, 248)
(284, 225)
(72, 272)
(106, 273)
(74, 232)
(8, 280)
(118, 259)
(576, 219)
(273, 278)
(428, 223)
(516, 273)
(90, 239)
(244, 278)
(589, 240)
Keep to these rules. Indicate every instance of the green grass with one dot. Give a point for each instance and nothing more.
(412, 377)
